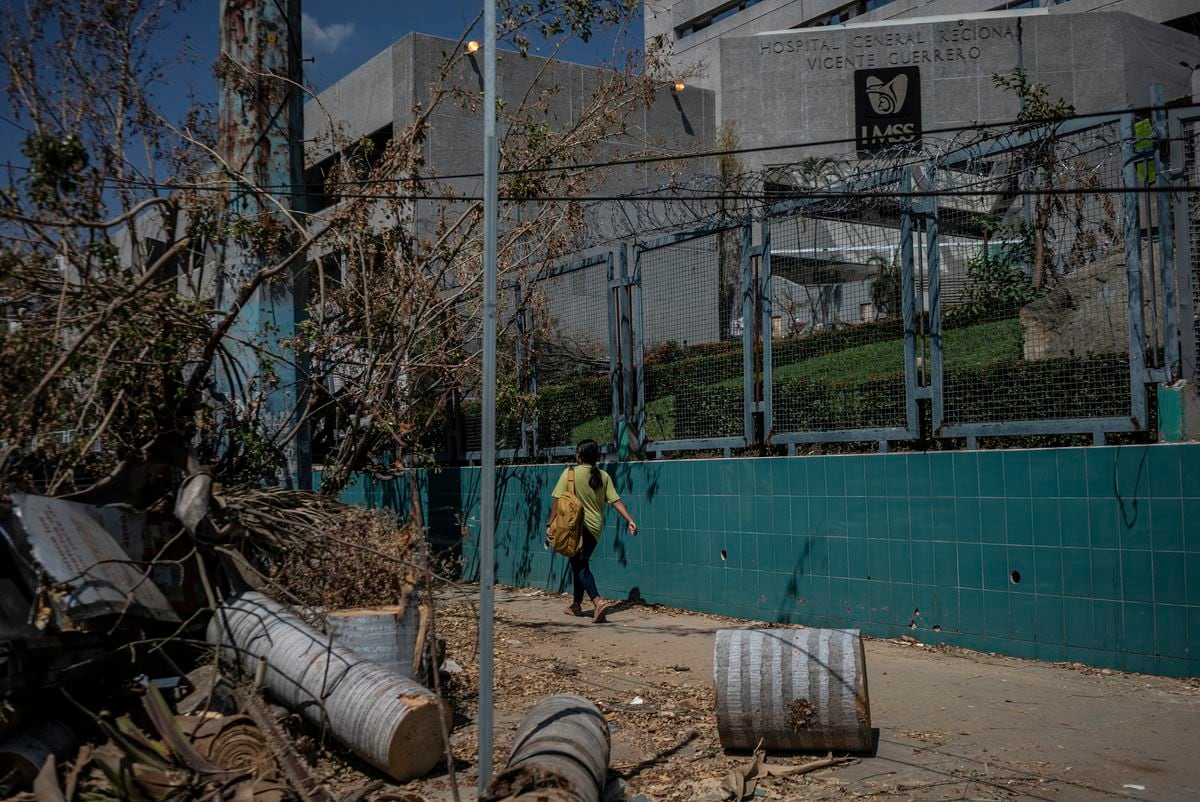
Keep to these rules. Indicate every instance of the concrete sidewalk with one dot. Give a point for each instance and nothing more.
(952, 724)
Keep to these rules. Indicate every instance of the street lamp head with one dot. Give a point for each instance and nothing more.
(472, 46)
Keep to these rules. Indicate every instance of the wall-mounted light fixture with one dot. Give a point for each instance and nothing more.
(472, 46)
(680, 86)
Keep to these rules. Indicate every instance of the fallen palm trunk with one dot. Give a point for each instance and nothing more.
(389, 721)
(385, 635)
(560, 754)
(793, 690)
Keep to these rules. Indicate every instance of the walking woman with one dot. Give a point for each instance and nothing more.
(594, 488)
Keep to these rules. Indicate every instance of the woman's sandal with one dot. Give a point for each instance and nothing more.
(573, 609)
(601, 614)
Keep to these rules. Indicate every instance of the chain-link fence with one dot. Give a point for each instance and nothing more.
(837, 335)
(1033, 286)
(692, 328)
(1020, 283)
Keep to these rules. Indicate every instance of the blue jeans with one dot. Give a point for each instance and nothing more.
(582, 572)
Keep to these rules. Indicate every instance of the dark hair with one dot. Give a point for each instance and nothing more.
(588, 452)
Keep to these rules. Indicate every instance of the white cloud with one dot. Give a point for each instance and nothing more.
(324, 38)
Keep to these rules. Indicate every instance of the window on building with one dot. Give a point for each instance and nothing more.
(845, 13)
(712, 17)
(367, 149)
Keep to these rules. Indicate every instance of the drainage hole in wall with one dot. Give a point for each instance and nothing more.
(724, 554)
(937, 628)
(1015, 576)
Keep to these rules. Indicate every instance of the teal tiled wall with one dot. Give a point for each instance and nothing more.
(1089, 555)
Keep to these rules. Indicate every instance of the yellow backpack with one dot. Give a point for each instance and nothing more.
(566, 524)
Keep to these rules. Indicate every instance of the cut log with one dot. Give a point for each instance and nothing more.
(560, 753)
(386, 719)
(385, 635)
(798, 690)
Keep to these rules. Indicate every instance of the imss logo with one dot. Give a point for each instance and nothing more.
(887, 108)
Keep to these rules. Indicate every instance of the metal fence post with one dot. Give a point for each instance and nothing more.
(768, 312)
(748, 290)
(1183, 170)
(522, 329)
(908, 292)
(1166, 232)
(614, 335)
(639, 352)
(933, 262)
(1133, 275)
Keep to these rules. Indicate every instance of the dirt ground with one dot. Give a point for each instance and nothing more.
(952, 724)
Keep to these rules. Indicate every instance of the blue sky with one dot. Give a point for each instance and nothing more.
(338, 34)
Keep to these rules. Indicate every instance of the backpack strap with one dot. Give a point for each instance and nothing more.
(571, 479)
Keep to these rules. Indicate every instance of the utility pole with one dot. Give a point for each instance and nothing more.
(487, 480)
(261, 132)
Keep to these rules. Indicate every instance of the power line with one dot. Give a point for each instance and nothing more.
(1015, 123)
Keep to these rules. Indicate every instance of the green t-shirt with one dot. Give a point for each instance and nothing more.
(593, 500)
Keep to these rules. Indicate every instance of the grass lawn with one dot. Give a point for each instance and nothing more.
(969, 347)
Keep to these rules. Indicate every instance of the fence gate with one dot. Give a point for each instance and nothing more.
(693, 289)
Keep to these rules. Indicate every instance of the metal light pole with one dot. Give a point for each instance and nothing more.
(487, 482)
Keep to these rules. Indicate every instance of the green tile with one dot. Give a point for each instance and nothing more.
(991, 474)
(1102, 515)
(878, 558)
(855, 475)
(1016, 474)
(1165, 466)
(966, 473)
(1170, 630)
(920, 517)
(922, 555)
(1019, 521)
(1022, 569)
(856, 517)
(945, 519)
(818, 558)
(818, 515)
(1193, 631)
(898, 523)
(1048, 567)
(896, 475)
(995, 614)
(876, 476)
(944, 564)
(1072, 472)
(1022, 616)
(1191, 525)
(1076, 572)
(1191, 569)
(1043, 473)
(901, 561)
(902, 604)
(798, 514)
(1133, 475)
(1166, 524)
(1189, 466)
(1049, 618)
(856, 551)
(877, 518)
(941, 474)
(1133, 518)
(970, 565)
(1073, 517)
(1101, 466)
(839, 564)
(1169, 579)
(970, 610)
(1106, 573)
(815, 470)
(781, 513)
(966, 519)
(995, 567)
(993, 521)
(779, 473)
(1077, 622)
(918, 475)
(1047, 527)
(1107, 629)
(835, 476)
(797, 476)
(1139, 628)
(837, 515)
